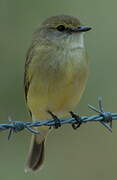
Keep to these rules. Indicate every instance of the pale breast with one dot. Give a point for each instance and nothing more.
(58, 89)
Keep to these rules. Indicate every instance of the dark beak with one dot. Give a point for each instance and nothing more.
(81, 29)
(84, 28)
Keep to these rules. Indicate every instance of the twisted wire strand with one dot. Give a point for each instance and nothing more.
(105, 118)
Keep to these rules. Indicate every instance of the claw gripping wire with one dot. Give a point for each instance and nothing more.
(104, 118)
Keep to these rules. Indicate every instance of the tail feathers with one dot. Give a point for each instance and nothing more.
(36, 155)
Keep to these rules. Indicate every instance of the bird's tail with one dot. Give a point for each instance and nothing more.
(36, 153)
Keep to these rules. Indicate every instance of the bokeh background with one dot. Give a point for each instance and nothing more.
(90, 152)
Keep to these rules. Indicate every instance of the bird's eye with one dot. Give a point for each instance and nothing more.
(60, 28)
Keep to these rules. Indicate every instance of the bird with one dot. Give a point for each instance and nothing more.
(56, 72)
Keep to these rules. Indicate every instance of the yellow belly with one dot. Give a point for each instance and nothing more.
(57, 91)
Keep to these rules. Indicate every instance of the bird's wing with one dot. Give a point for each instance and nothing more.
(27, 80)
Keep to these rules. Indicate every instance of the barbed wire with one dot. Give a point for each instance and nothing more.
(105, 118)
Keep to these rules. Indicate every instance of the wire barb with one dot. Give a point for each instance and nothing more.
(105, 118)
(17, 126)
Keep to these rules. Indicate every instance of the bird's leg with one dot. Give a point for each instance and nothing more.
(78, 122)
(56, 119)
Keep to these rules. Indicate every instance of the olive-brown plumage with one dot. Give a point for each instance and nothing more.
(56, 72)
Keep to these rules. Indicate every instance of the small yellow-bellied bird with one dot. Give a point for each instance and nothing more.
(56, 71)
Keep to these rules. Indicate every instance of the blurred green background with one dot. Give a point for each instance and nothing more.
(90, 152)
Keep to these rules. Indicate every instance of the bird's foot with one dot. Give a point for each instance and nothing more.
(56, 119)
(78, 120)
